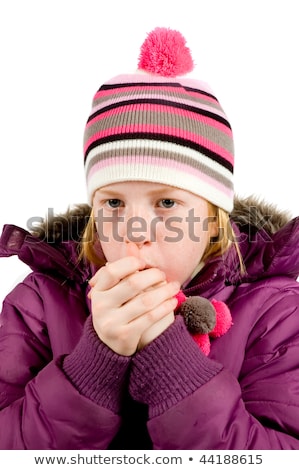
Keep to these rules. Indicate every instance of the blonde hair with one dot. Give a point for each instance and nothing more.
(225, 238)
(89, 241)
(90, 248)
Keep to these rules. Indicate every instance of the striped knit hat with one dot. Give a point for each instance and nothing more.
(157, 125)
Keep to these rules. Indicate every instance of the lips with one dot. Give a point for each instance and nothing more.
(149, 266)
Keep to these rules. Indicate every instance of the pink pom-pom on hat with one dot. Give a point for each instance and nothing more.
(164, 52)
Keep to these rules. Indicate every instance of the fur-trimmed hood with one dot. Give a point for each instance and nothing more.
(268, 238)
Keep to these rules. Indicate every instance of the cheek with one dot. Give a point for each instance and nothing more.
(109, 240)
(112, 250)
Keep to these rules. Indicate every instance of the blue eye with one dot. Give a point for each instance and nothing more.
(167, 203)
(114, 203)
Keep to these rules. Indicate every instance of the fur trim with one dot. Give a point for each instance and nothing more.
(259, 214)
(62, 227)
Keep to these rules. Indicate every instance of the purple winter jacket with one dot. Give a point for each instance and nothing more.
(61, 388)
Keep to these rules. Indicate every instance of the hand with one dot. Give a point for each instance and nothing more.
(127, 300)
(156, 330)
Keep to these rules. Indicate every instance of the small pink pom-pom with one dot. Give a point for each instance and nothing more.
(203, 341)
(223, 319)
(164, 52)
(180, 296)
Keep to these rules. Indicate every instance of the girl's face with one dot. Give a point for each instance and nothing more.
(171, 227)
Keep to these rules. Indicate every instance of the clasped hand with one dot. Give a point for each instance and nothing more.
(131, 305)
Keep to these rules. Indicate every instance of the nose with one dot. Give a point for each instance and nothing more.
(136, 226)
(137, 230)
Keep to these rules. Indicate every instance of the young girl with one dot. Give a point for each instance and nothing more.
(103, 346)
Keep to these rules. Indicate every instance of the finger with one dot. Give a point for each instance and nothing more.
(135, 284)
(132, 250)
(128, 288)
(112, 273)
(149, 301)
(152, 317)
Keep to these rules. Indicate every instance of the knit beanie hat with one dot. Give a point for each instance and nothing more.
(158, 125)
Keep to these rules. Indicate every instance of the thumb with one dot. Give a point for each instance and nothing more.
(132, 250)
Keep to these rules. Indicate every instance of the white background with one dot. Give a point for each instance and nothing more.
(55, 54)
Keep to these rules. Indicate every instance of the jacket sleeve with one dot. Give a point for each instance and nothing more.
(70, 402)
(195, 403)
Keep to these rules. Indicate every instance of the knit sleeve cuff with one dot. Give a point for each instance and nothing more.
(96, 371)
(169, 369)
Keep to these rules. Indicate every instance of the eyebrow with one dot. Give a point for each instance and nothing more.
(108, 192)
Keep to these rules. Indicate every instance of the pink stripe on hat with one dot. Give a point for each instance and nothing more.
(167, 131)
